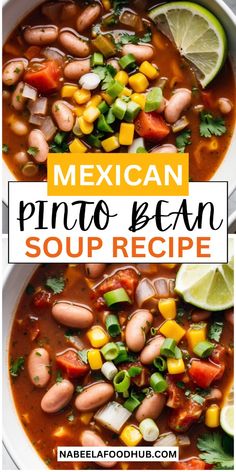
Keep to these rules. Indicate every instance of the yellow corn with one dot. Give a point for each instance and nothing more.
(68, 91)
(126, 135)
(77, 146)
(212, 416)
(167, 308)
(61, 432)
(85, 418)
(149, 70)
(175, 366)
(122, 77)
(139, 98)
(85, 127)
(108, 99)
(91, 114)
(196, 334)
(82, 96)
(95, 359)
(131, 436)
(95, 101)
(106, 4)
(171, 329)
(124, 465)
(138, 82)
(97, 336)
(213, 145)
(169, 266)
(126, 92)
(79, 110)
(110, 144)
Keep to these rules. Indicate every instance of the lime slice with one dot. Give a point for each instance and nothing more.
(208, 286)
(227, 419)
(197, 34)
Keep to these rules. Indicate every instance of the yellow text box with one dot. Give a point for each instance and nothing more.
(103, 174)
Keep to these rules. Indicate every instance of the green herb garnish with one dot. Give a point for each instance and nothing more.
(183, 140)
(56, 284)
(211, 126)
(212, 451)
(17, 366)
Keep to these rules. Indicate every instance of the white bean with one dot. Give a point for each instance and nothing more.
(37, 140)
(94, 271)
(41, 35)
(169, 148)
(57, 396)
(74, 44)
(139, 51)
(137, 328)
(95, 396)
(12, 72)
(151, 407)
(90, 81)
(90, 439)
(151, 350)
(225, 105)
(88, 17)
(38, 367)
(19, 127)
(72, 314)
(75, 69)
(178, 102)
(17, 100)
(63, 116)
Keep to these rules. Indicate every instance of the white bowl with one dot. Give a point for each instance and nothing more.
(232, 223)
(14, 11)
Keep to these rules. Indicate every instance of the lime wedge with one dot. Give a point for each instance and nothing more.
(227, 419)
(197, 33)
(208, 286)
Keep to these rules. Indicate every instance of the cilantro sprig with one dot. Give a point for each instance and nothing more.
(127, 38)
(56, 284)
(212, 451)
(211, 126)
(106, 75)
(17, 366)
(183, 140)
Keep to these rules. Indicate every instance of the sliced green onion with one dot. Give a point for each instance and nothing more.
(110, 351)
(115, 89)
(153, 330)
(178, 353)
(122, 355)
(103, 107)
(109, 370)
(112, 325)
(102, 125)
(134, 370)
(131, 403)
(93, 141)
(110, 117)
(153, 99)
(119, 108)
(168, 347)
(116, 296)
(203, 349)
(105, 45)
(127, 62)
(121, 381)
(132, 111)
(149, 430)
(160, 363)
(158, 383)
(97, 59)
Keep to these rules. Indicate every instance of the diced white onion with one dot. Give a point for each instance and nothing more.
(166, 440)
(183, 440)
(39, 107)
(89, 81)
(149, 430)
(113, 416)
(54, 54)
(48, 128)
(109, 370)
(29, 92)
(145, 291)
(137, 143)
(36, 120)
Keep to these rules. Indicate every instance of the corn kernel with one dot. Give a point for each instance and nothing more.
(108, 99)
(139, 98)
(95, 359)
(97, 336)
(167, 308)
(61, 432)
(124, 465)
(171, 329)
(106, 4)
(110, 144)
(149, 70)
(77, 146)
(79, 110)
(169, 266)
(131, 436)
(175, 366)
(122, 77)
(91, 114)
(95, 101)
(68, 91)
(196, 334)
(213, 145)
(85, 127)
(212, 416)
(126, 135)
(126, 92)
(138, 82)
(82, 96)
(85, 418)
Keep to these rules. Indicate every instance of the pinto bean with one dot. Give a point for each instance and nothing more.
(19, 127)
(94, 271)
(63, 116)
(41, 35)
(136, 329)
(139, 51)
(225, 105)
(178, 102)
(17, 100)
(114, 63)
(52, 10)
(75, 69)
(88, 17)
(164, 148)
(21, 158)
(38, 367)
(151, 350)
(37, 140)
(72, 314)
(91, 439)
(93, 397)
(69, 10)
(229, 316)
(74, 44)
(12, 72)
(57, 396)
(200, 315)
(151, 407)
(215, 394)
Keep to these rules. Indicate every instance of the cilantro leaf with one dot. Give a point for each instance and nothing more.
(106, 75)
(5, 148)
(83, 354)
(17, 366)
(211, 126)
(56, 284)
(33, 151)
(118, 6)
(183, 140)
(212, 452)
(59, 377)
(215, 330)
(127, 38)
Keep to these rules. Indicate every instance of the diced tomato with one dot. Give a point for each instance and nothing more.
(208, 99)
(182, 418)
(42, 299)
(44, 76)
(127, 278)
(151, 126)
(176, 395)
(30, 325)
(140, 380)
(191, 464)
(32, 51)
(203, 373)
(70, 362)
(218, 357)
